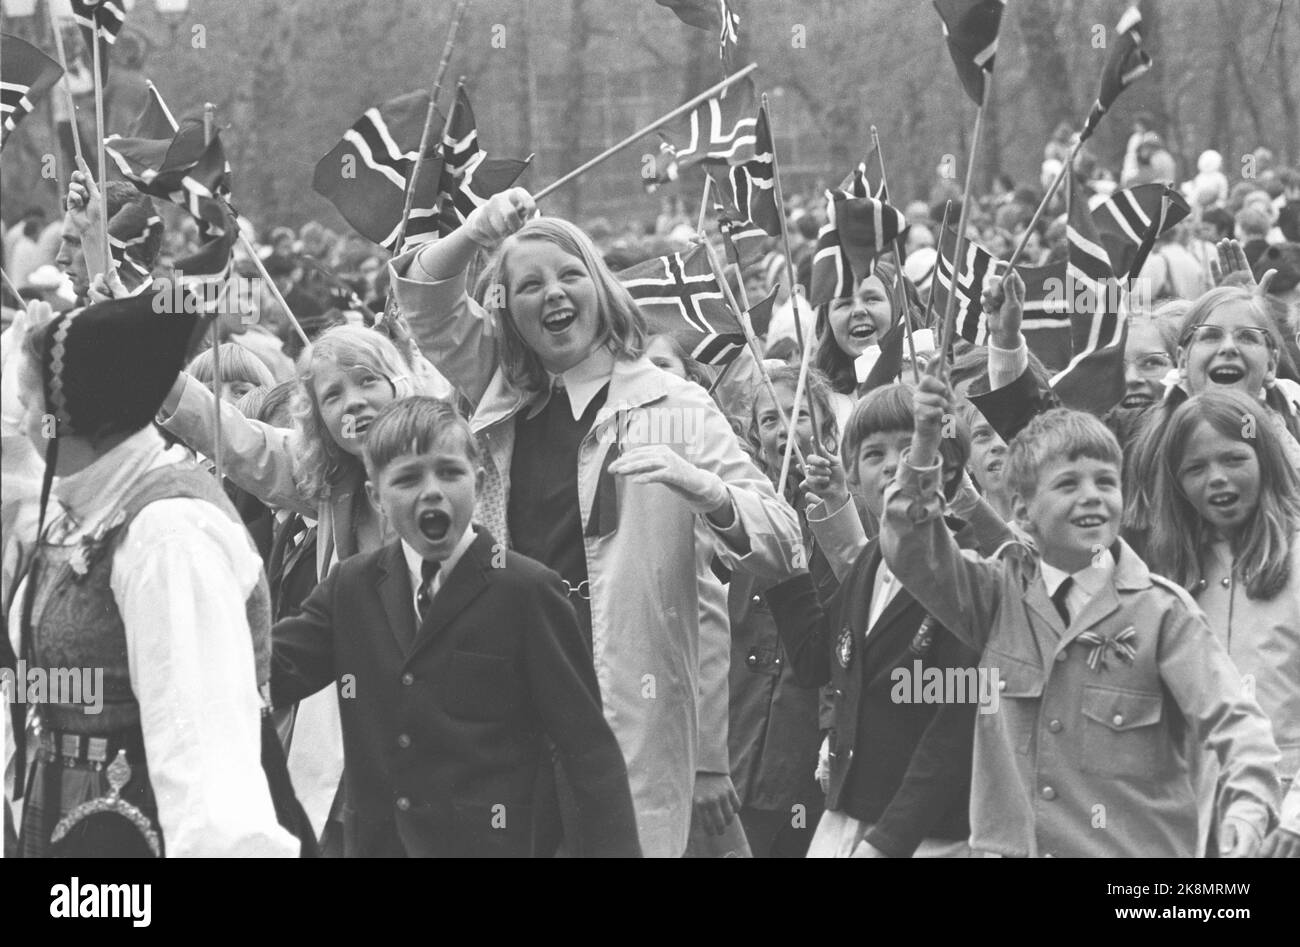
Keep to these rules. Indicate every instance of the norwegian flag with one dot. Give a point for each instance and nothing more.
(1127, 61)
(710, 15)
(1094, 378)
(679, 294)
(729, 36)
(366, 174)
(1124, 219)
(468, 176)
(102, 19)
(1046, 315)
(971, 29)
(189, 173)
(203, 274)
(722, 129)
(858, 229)
(157, 120)
(124, 246)
(28, 75)
(971, 322)
(742, 238)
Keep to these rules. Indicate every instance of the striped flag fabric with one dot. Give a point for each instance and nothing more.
(1045, 321)
(124, 244)
(722, 129)
(1127, 61)
(741, 237)
(729, 34)
(28, 74)
(858, 228)
(971, 29)
(971, 323)
(156, 120)
(102, 19)
(710, 15)
(1094, 378)
(203, 274)
(1124, 218)
(365, 175)
(468, 176)
(753, 183)
(679, 294)
(184, 170)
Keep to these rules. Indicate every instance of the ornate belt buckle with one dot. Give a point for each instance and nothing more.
(119, 774)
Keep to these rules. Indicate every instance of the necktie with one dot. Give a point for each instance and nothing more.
(425, 596)
(1058, 599)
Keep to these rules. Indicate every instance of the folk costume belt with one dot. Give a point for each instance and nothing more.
(81, 751)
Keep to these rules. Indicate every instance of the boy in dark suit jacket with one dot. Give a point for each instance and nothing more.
(900, 763)
(455, 661)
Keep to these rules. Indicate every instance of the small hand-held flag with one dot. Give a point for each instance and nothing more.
(679, 294)
(28, 74)
(1123, 219)
(971, 28)
(1126, 62)
(721, 129)
(100, 19)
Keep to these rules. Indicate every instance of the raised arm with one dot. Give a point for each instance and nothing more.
(453, 331)
(961, 591)
(255, 456)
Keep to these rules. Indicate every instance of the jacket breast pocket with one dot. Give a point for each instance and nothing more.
(480, 686)
(1122, 735)
(1019, 686)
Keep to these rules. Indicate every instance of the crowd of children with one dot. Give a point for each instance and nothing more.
(537, 587)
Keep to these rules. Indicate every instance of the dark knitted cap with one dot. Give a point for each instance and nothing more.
(108, 367)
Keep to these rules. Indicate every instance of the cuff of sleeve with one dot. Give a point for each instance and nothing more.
(1006, 365)
(1252, 812)
(820, 514)
(919, 481)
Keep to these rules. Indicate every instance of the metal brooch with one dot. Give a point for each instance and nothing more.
(119, 774)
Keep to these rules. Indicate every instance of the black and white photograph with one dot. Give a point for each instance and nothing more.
(708, 429)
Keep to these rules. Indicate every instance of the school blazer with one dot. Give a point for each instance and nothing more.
(913, 760)
(445, 725)
(1085, 757)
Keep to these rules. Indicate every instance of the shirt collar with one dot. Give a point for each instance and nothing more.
(583, 382)
(101, 486)
(1091, 579)
(414, 560)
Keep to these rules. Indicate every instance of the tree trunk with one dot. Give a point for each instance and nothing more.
(1286, 94)
(574, 100)
(1047, 72)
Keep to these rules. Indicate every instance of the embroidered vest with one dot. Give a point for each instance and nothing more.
(75, 620)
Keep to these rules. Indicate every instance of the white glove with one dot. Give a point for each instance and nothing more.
(502, 215)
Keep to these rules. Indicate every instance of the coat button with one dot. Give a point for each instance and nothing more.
(751, 659)
(1049, 793)
(403, 741)
(1002, 685)
(776, 661)
(408, 678)
(403, 803)
(1061, 655)
(1117, 720)
(1054, 726)
(758, 599)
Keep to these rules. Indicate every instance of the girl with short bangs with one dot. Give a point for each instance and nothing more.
(622, 478)
(345, 378)
(1227, 528)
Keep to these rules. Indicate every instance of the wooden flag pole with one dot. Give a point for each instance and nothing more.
(18, 298)
(959, 253)
(436, 91)
(72, 105)
(747, 327)
(209, 121)
(934, 280)
(1042, 206)
(805, 345)
(102, 172)
(270, 284)
(635, 136)
(899, 293)
(704, 205)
